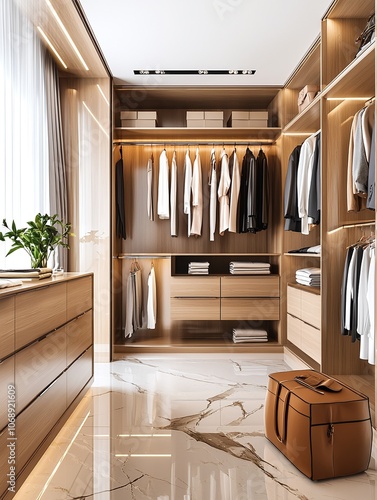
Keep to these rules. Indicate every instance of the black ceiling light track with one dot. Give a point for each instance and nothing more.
(194, 71)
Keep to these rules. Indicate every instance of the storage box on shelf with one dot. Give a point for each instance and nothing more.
(47, 357)
(248, 119)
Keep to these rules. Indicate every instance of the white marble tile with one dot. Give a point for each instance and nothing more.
(178, 428)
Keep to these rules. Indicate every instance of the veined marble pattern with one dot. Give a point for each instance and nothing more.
(174, 427)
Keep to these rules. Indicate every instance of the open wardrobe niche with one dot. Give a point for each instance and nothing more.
(199, 313)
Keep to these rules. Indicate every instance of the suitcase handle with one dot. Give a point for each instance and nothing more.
(281, 436)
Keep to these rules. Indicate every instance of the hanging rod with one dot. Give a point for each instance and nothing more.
(194, 143)
(142, 256)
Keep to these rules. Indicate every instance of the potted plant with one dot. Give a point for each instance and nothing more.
(41, 236)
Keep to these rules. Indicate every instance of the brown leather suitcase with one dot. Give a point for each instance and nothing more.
(321, 425)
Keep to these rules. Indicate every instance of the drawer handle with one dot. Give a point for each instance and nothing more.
(48, 387)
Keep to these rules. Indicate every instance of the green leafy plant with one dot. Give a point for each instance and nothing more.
(39, 239)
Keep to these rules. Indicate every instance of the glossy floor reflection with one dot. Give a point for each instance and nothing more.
(178, 428)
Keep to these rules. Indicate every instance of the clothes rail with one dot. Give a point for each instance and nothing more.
(194, 143)
(142, 256)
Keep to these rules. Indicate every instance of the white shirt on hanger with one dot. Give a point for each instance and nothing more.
(151, 300)
(163, 187)
(304, 175)
(212, 182)
(173, 197)
(187, 191)
(222, 192)
(197, 196)
(150, 189)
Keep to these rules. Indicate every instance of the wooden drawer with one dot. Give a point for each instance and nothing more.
(249, 309)
(311, 341)
(37, 420)
(304, 305)
(78, 374)
(38, 365)
(79, 336)
(195, 286)
(294, 330)
(39, 312)
(4, 466)
(7, 326)
(250, 286)
(198, 308)
(6, 378)
(294, 301)
(311, 309)
(305, 337)
(79, 296)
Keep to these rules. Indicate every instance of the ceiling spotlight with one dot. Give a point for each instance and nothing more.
(194, 71)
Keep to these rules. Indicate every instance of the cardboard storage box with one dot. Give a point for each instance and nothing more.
(194, 115)
(128, 115)
(248, 119)
(139, 123)
(147, 115)
(306, 96)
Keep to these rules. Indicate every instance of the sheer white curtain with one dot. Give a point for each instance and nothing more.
(24, 178)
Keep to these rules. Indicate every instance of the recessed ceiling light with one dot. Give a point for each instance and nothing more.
(48, 41)
(64, 29)
(194, 71)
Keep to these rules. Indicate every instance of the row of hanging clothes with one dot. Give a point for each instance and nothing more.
(238, 197)
(140, 314)
(238, 193)
(362, 160)
(358, 296)
(302, 190)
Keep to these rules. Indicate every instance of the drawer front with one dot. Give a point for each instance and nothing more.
(250, 286)
(195, 286)
(6, 378)
(249, 309)
(311, 341)
(79, 336)
(39, 312)
(7, 326)
(4, 466)
(36, 421)
(194, 308)
(311, 309)
(78, 374)
(294, 301)
(294, 330)
(38, 365)
(79, 296)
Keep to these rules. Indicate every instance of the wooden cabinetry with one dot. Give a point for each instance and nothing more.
(304, 320)
(46, 361)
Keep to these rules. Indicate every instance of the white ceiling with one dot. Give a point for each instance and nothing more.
(270, 36)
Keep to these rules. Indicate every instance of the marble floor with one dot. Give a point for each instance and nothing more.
(178, 427)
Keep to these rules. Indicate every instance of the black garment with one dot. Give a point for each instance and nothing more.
(347, 261)
(119, 200)
(245, 202)
(262, 193)
(314, 206)
(356, 280)
(292, 219)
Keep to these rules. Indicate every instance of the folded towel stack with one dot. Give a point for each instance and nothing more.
(198, 268)
(249, 335)
(37, 273)
(310, 276)
(250, 268)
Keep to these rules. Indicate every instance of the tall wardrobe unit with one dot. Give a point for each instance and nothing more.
(198, 313)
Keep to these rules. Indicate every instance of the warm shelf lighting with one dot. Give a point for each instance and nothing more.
(297, 133)
(364, 99)
(67, 35)
(47, 40)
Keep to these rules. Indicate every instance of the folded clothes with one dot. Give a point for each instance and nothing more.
(314, 249)
(6, 283)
